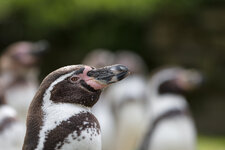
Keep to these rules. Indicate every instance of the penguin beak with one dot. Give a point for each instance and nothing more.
(107, 75)
(190, 79)
(40, 48)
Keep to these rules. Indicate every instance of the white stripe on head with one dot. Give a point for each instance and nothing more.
(55, 113)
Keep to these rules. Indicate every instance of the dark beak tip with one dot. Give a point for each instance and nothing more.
(122, 72)
(123, 68)
(120, 68)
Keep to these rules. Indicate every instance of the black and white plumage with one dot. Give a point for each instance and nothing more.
(19, 74)
(11, 130)
(171, 126)
(59, 116)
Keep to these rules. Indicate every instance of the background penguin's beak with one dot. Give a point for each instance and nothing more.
(190, 79)
(109, 74)
(40, 48)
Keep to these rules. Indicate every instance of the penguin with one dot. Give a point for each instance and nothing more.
(11, 130)
(102, 109)
(128, 102)
(171, 126)
(19, 74)
(59, 116)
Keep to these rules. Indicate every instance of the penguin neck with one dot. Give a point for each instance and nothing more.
(161, 102)
(64, 109)
(170, 99)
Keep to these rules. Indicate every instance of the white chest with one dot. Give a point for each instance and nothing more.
(72, 124)
(174, 134)
(89, 139)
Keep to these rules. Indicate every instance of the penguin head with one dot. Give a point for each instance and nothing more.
(177, 80)
(80, 84)
(23, 55)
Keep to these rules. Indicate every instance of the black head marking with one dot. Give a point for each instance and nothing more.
(79, 71)
(170, 87)
(78, 93)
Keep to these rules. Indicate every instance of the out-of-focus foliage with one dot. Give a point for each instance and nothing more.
(58, 13)
(84, 24)
(5, 8)
(211, 143)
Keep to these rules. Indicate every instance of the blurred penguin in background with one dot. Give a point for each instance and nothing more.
(99, 58)
(19, 74)
(133, 61)
(12, 132)
(128, 101)
(102, 109)
(171, 126)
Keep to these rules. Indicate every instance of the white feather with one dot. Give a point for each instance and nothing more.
(88, 143)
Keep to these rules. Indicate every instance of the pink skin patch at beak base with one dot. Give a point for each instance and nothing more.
(95, 84)
(90, 80)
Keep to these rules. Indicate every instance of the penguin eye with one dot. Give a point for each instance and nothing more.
(73, 79)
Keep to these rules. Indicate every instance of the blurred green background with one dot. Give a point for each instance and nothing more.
(189, 33)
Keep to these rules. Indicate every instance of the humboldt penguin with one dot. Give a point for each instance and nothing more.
(59, 116)
(171, 126)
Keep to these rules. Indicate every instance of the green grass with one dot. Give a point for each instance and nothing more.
(211, 143)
